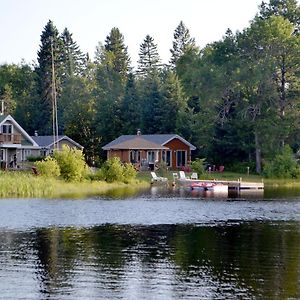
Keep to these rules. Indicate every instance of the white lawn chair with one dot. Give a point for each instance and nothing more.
(175, 176)
(194, 176)
(158, 178)
(182, 175)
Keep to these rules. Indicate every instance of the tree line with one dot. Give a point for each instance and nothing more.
(237, 100)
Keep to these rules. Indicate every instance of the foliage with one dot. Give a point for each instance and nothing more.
(182, 42)
(284, 166)
(149, 60)
(129, 172)
(113, 170)
(48, 167)
(198, 166)
(71, 163)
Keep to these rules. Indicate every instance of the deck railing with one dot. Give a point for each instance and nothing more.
(8, 138)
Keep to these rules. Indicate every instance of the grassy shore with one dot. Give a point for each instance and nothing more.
(26, 185)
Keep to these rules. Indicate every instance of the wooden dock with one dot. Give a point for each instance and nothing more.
(234, 185)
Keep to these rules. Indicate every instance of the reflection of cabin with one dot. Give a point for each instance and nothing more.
(46, 143)
(146, 151)
(15, 143)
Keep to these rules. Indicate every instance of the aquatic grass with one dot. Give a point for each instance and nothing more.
(26, 185)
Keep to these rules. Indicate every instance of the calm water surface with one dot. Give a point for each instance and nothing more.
(159, 244)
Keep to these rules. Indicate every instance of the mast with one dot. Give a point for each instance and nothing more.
(54, 102)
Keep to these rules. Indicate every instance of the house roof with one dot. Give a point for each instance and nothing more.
(4, 118)
(147, 141)
(46, 141)
(133, 142)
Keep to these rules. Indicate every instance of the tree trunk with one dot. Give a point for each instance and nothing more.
(257, 153)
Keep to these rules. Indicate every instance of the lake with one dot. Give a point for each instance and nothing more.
(157, 244)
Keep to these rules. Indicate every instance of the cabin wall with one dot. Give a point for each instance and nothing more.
(122, 154)
(175, 145)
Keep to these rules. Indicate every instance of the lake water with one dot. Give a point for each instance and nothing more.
(158, 244)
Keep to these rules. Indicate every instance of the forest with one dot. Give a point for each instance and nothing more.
(237, 100)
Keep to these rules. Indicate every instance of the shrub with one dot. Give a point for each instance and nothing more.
(198, 166)
(129, 172)
(72, 163)
(283, 166)
(113, 170)
(48, 167)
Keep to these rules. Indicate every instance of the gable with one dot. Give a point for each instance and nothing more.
(177, 144)
(47, 141)
(26, 140)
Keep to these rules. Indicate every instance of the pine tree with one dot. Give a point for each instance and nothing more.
(182, 42)
(50, 44)
(73, 60)
(115, 48)
(149, 60)
(131, 107)
(174, 103)
(153, 116)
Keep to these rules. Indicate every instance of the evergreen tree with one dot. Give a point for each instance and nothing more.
(111, 77)
(153, 117)
(182, 42)
(115, 48)
(131, 108)
(73, 60)
(149, 60)
(173, 104)
(50, 51)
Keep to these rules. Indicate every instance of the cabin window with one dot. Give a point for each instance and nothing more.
(181, 156)
(135, 156)
(166, 157)
(26, 153)
(152, 156)
(6, 128)
(2, 154)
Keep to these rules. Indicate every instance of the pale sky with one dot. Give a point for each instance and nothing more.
(90, 21)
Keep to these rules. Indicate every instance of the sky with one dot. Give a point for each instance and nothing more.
(90, 21)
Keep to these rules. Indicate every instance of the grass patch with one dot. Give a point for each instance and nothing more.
(26, 185)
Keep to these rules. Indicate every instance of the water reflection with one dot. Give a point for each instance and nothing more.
(247, 260)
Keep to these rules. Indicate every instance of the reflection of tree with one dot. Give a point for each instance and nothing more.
(260, 259)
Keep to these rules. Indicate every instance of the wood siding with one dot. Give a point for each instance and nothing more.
(175, 145)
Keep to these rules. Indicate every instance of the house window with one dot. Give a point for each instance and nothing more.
(181, 157)
(26, 153)
(7, 128)
(2, 154)
(166, 157)
(135, 156)
(152, 156)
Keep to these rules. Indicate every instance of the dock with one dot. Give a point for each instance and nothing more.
(233, 185)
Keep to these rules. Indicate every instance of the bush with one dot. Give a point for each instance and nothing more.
(198, 166)
(113, 170)
(48, 167)
(129, 172)
(283, 166)
(72, 163)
